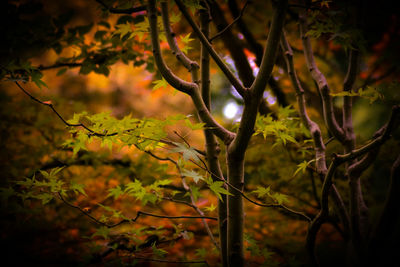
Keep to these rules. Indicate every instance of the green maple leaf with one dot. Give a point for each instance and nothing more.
(210, 208)
(175, 18)
(78, 188)
(196, 126)
(262, 191)
(160, 84)
(161, 183)
(302, 167)
(286, 137)
(217, 188)
(195, 175)
(280, 198)
(27, 182)
(45, 198)
(185, 40)
(134, 186)
(152, 198)
(188, 153)
(115, 192)
(285, 112)
(124, 29)
(142, 28)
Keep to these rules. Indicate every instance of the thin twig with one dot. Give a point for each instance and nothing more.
(138, 214)
(183, 138)
(230, 25)
(179, 201)
(82, 210)
(50, 105)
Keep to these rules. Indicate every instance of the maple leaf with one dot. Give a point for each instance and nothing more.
(188, 153)
(175, 17)
(115, 192)
(210, 208)
(280, 198)
(185, 40)
(217, 188)
(196, 126)
(160, 84)
(262, 191)
(78, 188)
(190, 173)
(124, 29)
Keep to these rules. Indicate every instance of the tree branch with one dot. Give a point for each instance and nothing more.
(348, 84)
(321, 82)
(336, 162)
(314, 129)
(271, 50)
(257, 49)
(170, 77)
(246, 127)
(189, 88)
(50, 105)
(390, 126)
(138, 214)
(224, 68)
(186, 62)
(323, 213)
(358, 167)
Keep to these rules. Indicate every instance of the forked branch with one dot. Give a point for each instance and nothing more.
(321, 82)
(322, 216)
(224, 68)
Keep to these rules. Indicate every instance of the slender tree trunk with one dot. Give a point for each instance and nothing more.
(235, 211)
(357, 238)
(212, 146)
